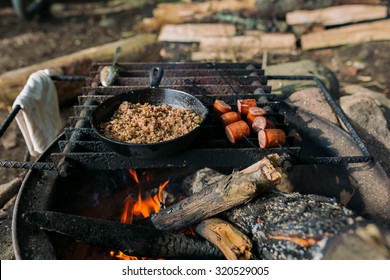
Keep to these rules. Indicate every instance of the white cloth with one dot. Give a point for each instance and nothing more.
(39, 120)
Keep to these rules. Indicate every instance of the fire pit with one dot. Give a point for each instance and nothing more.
(80, 179)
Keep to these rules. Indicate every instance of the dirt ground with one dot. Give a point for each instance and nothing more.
(78, 26)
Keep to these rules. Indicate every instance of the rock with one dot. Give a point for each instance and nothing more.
(379, 98)
(366, 242)
(303, 67)
(371, 125)
(9, 140)
(312, 100)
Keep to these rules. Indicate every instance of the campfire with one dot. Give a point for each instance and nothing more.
(140, 207)
(237, 197)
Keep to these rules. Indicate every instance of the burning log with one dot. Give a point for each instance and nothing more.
(133, 240)
(295, 226)
(232, 242)
(219, 193)
(218, 196)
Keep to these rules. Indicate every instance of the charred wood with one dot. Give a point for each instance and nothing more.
(218, 196)
(295, 226)
(233, 243)
(133, 240)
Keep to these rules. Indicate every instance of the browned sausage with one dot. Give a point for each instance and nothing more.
(261, 122)
(271, 137)
(220, 107)
(237, 130)
(230, 117)
(243, 105)
(253, 113)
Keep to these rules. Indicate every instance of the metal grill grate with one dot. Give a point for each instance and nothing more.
(81, 148)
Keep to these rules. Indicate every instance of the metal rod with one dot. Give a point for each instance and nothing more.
(66, 163)
(28, 165)
(67, 78)
(238, 97)
(332, 160)
(9, 119)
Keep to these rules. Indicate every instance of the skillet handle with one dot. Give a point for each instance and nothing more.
(156, 75)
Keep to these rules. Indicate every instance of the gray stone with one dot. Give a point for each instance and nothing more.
(312, 100)
(9, 140)
(379, 98)
(306, 68)
(370, 123)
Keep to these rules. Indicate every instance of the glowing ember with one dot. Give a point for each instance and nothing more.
(120, 255)
(297, 240)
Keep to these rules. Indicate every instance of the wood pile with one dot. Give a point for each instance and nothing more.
(345, 22)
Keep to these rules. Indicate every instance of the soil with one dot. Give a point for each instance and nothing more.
(73, 27)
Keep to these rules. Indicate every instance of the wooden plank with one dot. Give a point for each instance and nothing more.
(195, 32)
(267, 41)
(245, 46)
(371, 2)
(337, 15)
(354, 34)
(175, 13)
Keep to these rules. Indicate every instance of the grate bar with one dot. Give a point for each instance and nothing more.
(193, 158)
(9, 119)
(28, 165)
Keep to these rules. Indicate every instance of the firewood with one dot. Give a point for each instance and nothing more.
(244, 47)
(192, 12)
(337, 15)
(133, 240)
(354, 34)
(368, 2)
(233, 243)
(78, 63)
(231, 190)
(296, 226)
(253, 42)
(195, 32)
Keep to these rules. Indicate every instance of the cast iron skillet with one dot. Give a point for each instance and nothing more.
(155, 96)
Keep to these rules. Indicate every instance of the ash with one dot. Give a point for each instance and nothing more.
(291, 226)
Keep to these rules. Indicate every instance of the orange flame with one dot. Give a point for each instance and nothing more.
(134, 175)
(136, 207)
(122, 256)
